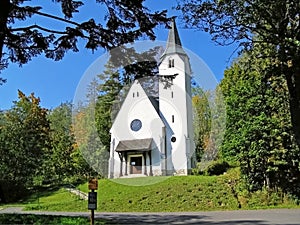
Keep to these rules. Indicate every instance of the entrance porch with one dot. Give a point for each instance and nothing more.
(135, 157)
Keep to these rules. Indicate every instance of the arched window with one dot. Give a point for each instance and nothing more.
(171, 63)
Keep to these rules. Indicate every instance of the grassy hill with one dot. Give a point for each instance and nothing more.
(177, 193)
(191, 193)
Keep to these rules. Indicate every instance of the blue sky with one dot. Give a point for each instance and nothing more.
(56, 82)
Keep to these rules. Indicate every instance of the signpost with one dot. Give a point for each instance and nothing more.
(93, 184)
(92, 198)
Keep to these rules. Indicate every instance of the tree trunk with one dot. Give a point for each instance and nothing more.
(5, 7)
(293, 82)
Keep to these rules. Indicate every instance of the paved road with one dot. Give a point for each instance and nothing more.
(242, 217)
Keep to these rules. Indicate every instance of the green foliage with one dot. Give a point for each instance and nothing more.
(45, 219)
(202, 121)
(91, 156)
(216, 168)
(125, 22)
(273, 25)
(24, 140)
(60, 164)
(109, 89)
(259, 134)
(209, 122)
(265, 198)
(123, 67)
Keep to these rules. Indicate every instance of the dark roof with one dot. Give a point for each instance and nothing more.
(155, 102)
(139, 145)
(173, 44)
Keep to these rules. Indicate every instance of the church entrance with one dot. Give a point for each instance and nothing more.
(136, 163)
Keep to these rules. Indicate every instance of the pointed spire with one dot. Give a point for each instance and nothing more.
(173, 44)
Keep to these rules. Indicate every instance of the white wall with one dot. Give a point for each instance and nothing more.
(175, 107)
(136, 106)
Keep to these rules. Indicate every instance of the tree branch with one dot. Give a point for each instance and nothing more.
(38, 27)
(54, 17)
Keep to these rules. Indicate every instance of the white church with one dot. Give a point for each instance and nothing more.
(154, 136)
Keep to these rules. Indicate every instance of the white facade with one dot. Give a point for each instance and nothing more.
(155, 137)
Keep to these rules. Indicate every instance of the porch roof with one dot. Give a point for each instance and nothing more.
(141, 145)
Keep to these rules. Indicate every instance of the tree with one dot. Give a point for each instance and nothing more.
(24, 140)
(88, 143)
(60, 164)
(258, 130)
(124, 22)
(109, 90)
(105, 95)
(273, 24)
(202, 121)
(83, 129)
(123, 67)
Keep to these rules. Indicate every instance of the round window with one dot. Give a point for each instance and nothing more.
(173, 139)
(136, 125)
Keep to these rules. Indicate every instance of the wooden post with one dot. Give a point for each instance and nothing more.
(92, 198)
(92, 215)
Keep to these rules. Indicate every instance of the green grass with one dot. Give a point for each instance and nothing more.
(52, 200)
(45, 219)
(177, 193)
(191, 193)
(60, 200)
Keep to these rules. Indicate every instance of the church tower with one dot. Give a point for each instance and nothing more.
(175, 106)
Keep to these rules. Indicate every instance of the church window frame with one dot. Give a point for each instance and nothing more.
(171, 63)
(136, 125)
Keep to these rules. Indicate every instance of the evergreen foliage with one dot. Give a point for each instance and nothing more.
(271, 24)
(123, 67)
(65, 161)
(259, 133)
(123, 22)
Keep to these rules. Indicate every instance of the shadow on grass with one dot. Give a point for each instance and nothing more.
(39, 192)
(36, 193)
(29, 196)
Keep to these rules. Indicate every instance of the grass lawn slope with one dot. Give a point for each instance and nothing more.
(165, 194)
(184, 193)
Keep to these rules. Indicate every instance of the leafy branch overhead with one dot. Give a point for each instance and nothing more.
(124, 22)
(275, 22)
(272, 25)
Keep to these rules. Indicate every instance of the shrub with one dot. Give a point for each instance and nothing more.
(11, 191)
(216, 168)
(198, 170)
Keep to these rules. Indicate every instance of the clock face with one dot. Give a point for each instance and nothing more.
(136, 125)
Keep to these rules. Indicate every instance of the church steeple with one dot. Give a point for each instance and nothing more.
(173, 44)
